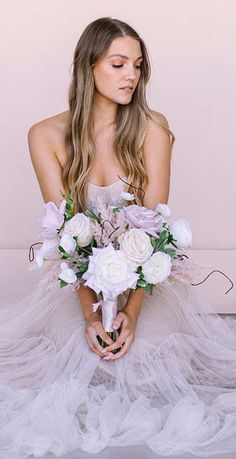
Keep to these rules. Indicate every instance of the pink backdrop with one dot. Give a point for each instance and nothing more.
(192, 44)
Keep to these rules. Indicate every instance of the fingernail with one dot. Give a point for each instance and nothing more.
(106, 358)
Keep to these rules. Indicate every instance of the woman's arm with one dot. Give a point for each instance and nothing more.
(87, 297)
(48, 172)
(45, 163)
(134, 304)
(157, 163)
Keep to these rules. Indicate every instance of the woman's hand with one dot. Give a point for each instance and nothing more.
(93, 328)
(127, 323)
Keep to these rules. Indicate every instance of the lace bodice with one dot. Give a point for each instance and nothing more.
(109, 194)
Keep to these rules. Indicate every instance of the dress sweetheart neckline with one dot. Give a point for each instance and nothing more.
(107, 186)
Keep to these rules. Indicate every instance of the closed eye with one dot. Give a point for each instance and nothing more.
(121, 65)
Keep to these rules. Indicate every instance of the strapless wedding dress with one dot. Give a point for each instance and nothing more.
(175, 390)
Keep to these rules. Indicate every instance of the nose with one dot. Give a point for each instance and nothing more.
(131, 77)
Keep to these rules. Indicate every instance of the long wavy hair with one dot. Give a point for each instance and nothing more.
(130, 122)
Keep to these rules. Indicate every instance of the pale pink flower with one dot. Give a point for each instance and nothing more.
(53, 219)
(143, 218)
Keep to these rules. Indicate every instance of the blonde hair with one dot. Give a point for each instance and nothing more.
(131, 119)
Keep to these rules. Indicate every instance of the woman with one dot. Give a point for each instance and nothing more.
(172, 382)
(112, 115)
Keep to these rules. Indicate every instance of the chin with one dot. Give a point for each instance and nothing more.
(124, 102)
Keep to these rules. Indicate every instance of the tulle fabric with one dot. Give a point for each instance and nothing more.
(174, 391)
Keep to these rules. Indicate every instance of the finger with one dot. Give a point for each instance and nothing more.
(124, 350)
(105, 337)
(118, 343)
(96, 348)
(118, 321)
(94, 344)
(96, 329)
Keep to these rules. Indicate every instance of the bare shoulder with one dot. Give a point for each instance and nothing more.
(160, 121)
(157, 133)
(50, 132)
(157, 160)
(54, 124)
(46, 140)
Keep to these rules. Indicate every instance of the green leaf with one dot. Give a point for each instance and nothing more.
(65, 256)
(170, 252)
(164, 235)
(84, 250)
(160, 247)
(69, 214)
(62, 283)
(174, 244)
(154, 243)
(116, 209)
(159, 244)
(91, 214)
(149, 288)
(83, 268)
(141, 283)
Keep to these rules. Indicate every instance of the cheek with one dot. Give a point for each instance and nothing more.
(105, 79)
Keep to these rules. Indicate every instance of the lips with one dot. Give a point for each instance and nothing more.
(127, 87)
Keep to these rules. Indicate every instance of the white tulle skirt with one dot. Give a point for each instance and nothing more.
(174, 391)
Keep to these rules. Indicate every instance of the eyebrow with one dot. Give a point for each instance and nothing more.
(122, 55)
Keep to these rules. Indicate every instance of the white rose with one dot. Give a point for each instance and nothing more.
(109, 272)
(157, 268)
(163, 210)
(136, 245)
(68, 243)
(67, 274)
(181, 231)
(79, 226)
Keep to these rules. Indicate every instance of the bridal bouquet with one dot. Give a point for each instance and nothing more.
(112, 248)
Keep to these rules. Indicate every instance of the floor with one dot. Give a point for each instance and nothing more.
(134, 452)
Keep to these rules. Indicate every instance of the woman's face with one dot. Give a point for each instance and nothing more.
(119, 67)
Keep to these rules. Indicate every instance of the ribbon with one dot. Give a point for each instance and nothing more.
(109, 312)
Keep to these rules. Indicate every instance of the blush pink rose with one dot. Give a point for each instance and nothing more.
(143, 218)
(52, 219)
